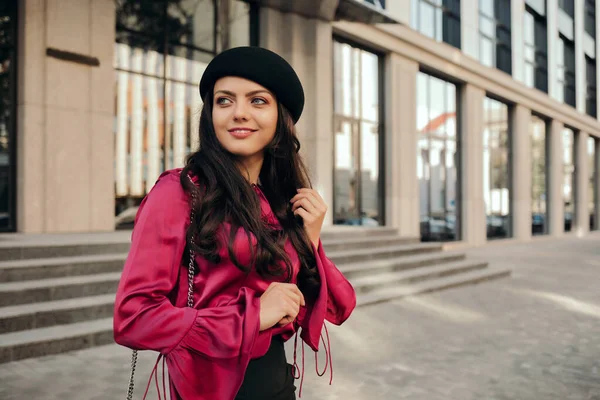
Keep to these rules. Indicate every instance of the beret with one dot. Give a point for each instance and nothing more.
(259, 65)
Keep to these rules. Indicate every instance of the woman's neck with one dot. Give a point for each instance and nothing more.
(250, 169)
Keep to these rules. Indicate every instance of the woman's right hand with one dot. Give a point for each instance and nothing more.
(280, 304)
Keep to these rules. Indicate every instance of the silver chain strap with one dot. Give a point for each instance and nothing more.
(190, 303)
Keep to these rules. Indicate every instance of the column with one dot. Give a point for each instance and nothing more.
(65, 117)
(517, 9)
(582, 178)
(580, 88)
(308, 47)
(402, 190)
(473, 221)
(552, 27)
(555, 167)
(469, 27)
(521, 172)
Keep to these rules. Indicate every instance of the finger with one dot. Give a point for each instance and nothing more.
(291, 308)
(305, 215)
(299, 293)
(306, 204)
(314, 198)
(313, 192)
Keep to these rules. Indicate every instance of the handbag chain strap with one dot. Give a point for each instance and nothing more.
(190, 303)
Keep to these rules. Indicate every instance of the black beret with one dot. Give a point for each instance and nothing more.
(261, 66)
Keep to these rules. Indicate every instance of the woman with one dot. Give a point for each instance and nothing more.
(260, 272)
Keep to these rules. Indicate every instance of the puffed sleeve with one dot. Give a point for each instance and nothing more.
(145, 318)
(335, 302)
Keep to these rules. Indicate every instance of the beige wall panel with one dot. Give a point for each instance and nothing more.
(521, 173)
(556, 206)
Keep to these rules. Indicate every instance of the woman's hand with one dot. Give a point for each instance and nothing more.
(280, 304)
(309, 205)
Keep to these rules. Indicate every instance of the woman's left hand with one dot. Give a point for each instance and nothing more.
(309, 205)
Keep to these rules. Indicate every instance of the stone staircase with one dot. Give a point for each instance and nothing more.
(57, 294)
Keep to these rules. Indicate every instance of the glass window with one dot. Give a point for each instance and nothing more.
(539, 217)
(8, 107)
(566, 71)
(437, 159)
(496, 176)
(440, 20)
(589, 21)
(535, 49)
(594, 190)
(568, 192)
(357, 144)
(568, 6)
(591, 107)
(161, 50)
(495, 36)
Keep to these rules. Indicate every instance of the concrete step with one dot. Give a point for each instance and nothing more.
(447, 282)
(54, 340)
(29, 251)
(49, 313)
(56, 267)
(350, 232)
(378, 253)
(369, 268)
(354, 243)
(379, 281)
(14, 293)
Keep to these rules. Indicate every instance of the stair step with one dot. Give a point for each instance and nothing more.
(28, 252)
(56, 339)
(14, 293)
(367, 284)
(358, 269)
(50, 313)
(22, 270)
(350, 256)
(350, 232)
(447, 282)
(350, 243)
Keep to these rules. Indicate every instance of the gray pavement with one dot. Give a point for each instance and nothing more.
(533, 336)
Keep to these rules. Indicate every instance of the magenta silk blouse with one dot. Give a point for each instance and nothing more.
(207, 348)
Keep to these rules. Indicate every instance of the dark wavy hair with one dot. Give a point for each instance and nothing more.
(224, 195)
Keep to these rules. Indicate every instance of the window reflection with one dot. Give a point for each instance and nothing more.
(568, 192)
(357, 194)
(539, 220)
(437, 159)
(496, 179)
(161, 52)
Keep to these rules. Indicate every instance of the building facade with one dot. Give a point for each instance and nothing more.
(456, 120)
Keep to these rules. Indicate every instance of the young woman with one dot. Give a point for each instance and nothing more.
(244, 207)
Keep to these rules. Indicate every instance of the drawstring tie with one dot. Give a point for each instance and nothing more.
(155, 375)
(299, 374)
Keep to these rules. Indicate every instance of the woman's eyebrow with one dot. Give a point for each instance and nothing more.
(252, 93)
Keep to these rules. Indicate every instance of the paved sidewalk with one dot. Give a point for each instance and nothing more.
(534, 336)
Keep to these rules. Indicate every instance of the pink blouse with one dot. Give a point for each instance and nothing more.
(207, 348)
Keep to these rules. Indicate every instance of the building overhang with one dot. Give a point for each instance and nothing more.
(331, 10)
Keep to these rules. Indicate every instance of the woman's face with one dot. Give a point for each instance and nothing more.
(244, 117)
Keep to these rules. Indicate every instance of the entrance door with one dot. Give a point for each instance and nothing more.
(358, 194)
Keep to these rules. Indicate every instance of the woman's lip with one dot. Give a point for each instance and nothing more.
(241, 133)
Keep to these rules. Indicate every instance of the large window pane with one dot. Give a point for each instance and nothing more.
(495, 34)
(496, 179)
(8, 96)
(437, 159)
(440, 20)
(357, 180)
(539, 220)
(568, 192)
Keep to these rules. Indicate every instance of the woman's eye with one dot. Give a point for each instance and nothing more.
(258, 100)
(223, 100)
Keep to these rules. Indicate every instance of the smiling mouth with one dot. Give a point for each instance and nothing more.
(241, 132)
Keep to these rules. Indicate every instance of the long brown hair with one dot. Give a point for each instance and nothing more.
(223, 194)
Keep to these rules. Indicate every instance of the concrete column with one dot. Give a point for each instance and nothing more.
(582, 179)
(597, 183)
(597, 63)
(471, 148)
(552, 27)
(65, 117)
(308, 47)
(400, 10)
(521, 172)
(580, 87)
(517, 9)
(556, 207)
(402, 195)
(469, 27)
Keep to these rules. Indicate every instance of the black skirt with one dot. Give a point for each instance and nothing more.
(269, 377)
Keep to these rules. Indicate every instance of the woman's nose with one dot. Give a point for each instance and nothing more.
(240, 111)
